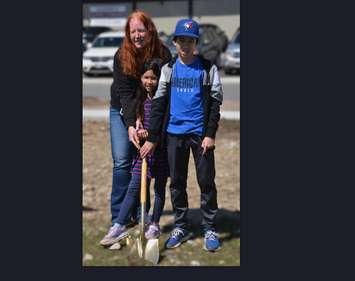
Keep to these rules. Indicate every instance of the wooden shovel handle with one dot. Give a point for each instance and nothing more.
(144, 180)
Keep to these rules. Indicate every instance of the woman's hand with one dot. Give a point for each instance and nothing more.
(147, 148)
(133, 136)
(207, 143)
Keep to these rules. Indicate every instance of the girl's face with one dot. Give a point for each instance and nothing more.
(138, 33)
(149, 81)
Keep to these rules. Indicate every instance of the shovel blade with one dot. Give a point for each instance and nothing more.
(140, 248)
(151, 252)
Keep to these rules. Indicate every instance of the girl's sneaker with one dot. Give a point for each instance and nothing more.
(153, 231)
(116, 233)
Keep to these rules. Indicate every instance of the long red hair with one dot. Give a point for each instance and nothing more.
(132, 59)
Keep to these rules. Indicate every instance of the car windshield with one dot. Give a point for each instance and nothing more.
(104, 42)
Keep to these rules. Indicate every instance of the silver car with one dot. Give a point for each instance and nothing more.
(230, 59)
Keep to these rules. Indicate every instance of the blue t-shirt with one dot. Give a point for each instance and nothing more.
(186, 108)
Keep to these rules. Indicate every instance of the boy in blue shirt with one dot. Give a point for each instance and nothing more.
(186, 107)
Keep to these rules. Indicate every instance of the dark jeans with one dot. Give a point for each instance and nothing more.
(132, 199)
(178, 157)
(122, 151)
(159, 200)
(133, 195)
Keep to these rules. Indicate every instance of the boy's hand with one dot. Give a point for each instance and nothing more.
(142, 133)
(207, 143)
(147, 148)
(133, 137)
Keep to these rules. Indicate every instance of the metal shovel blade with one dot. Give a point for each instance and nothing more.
(151, 252)
(139, 248)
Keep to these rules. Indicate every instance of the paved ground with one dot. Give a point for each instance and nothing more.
(100, 87)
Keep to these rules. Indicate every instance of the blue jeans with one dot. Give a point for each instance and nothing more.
(131, 199)
(122, 151)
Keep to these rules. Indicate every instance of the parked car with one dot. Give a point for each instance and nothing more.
(212, 42)
(89, 33)
(98, 59)
(163, 36)
(230, 59)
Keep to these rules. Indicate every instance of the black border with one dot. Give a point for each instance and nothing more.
(296, 143)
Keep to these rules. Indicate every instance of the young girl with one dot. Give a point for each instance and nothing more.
(158, 167)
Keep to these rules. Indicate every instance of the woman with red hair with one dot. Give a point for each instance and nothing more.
(141, 42)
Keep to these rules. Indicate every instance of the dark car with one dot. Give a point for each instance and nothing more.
(91, 32)
(212, 42)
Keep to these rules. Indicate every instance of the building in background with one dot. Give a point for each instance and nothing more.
(165, 13)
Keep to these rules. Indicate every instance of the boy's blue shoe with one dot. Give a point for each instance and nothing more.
(211, 241)
(177, 236)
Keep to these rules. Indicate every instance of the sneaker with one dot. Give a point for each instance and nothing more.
(116, 233)
(177, 236)
(153, 231)
(211, 241)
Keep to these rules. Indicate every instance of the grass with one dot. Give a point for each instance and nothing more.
(188, 254)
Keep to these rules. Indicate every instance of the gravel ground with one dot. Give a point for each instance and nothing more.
(97, 170)
(97, 176)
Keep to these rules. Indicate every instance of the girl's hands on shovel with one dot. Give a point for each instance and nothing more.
(147, 148)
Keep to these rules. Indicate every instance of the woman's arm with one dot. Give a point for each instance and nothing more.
(123, 89)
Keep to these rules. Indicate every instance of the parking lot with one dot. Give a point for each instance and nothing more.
(99, 87)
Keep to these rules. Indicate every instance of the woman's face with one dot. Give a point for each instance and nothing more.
(149, 81)
(138, 33)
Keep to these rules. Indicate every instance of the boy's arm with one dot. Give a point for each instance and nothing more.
(159, 106)
(216, 98)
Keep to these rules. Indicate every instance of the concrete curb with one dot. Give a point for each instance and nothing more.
(103, 114)
(108, 81)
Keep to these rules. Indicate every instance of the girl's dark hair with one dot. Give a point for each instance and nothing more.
(155, 65)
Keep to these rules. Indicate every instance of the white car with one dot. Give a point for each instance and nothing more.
(230, 59)
(98, 58)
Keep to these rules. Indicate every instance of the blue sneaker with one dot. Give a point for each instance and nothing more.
(177, 236)
(116, 233)
(211, 241)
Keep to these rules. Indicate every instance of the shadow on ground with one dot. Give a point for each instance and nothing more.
(226, 222)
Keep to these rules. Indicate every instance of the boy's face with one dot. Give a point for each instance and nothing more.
(185, 46)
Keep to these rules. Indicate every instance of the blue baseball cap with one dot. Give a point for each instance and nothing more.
(187, 27)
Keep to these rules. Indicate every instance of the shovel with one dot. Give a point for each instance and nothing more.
(151, 251)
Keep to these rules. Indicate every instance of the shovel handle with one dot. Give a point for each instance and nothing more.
(144, 180)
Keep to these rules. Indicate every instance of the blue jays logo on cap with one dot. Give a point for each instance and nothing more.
(187, 27)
